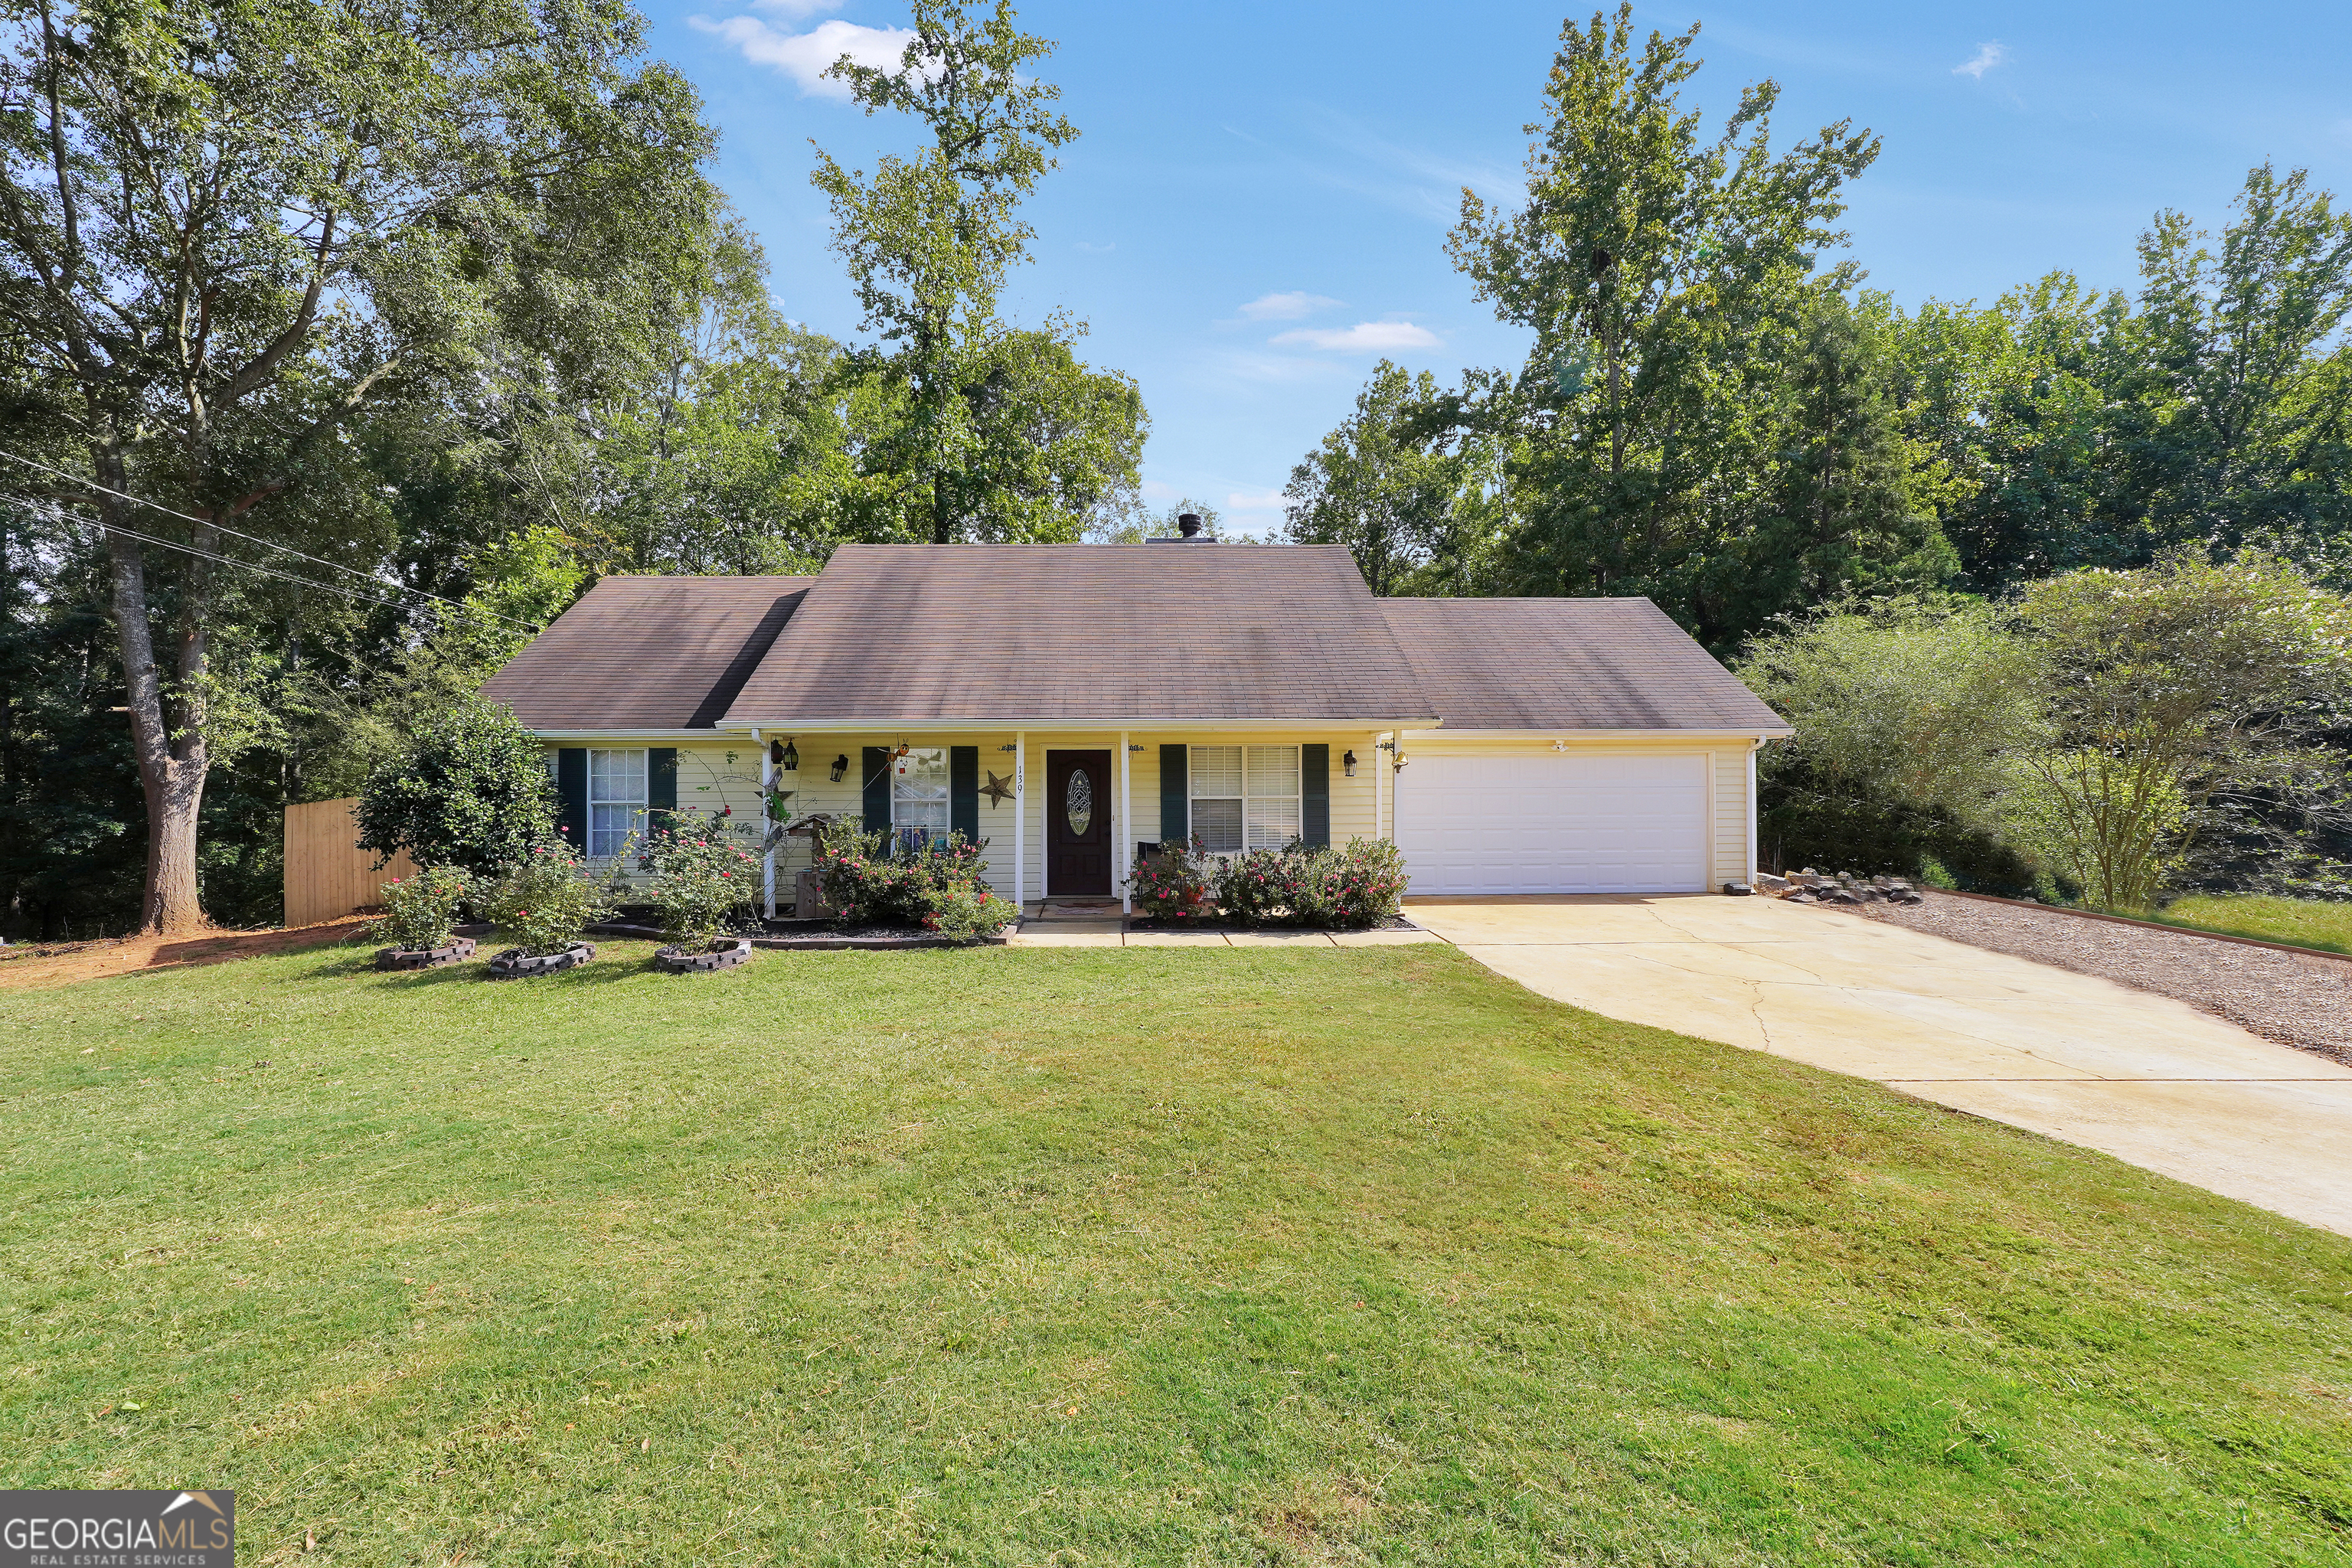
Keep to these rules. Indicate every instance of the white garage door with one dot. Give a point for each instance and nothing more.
(1554, 823)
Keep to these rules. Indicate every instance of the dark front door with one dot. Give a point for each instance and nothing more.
(1077, 823)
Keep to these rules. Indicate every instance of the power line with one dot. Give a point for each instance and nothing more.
(369, 577)
(282, 576)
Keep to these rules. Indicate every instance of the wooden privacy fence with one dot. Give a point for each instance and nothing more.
(327, 875)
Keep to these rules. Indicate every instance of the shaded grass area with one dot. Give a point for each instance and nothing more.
(2306, 923)
(1107, 1256)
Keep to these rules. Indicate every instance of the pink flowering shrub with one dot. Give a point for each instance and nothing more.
(1349, 888)
(1176, 885)
(419, 910)
(705, 884)
(542, 903)
(967, 913)
(871, 885)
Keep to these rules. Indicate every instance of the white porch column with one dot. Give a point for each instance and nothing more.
(1376, 790)
(1020, 819)
(767, 854)
(1122, 861)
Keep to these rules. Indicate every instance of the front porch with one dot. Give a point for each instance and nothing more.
(1062, 815)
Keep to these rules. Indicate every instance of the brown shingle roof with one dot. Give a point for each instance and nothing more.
(1568, 664)
(647, 653)
(1003, 633)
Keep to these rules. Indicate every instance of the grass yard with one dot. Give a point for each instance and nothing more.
(2306, 923)
(1111, 1256)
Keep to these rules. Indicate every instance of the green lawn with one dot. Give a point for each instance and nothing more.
(2306, 923)
(1100, 1256)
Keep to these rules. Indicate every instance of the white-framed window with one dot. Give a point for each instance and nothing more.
(1244, 797)
(616, 799)
(918, 793)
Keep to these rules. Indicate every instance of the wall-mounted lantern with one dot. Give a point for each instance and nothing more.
(785, 755)
(840, 766)
(1348, 761)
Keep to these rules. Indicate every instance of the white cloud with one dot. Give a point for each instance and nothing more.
(805, 56)
(1363, 337)
(1257, 501)
(1091, 248)
(1295, 306)
(1988, 57)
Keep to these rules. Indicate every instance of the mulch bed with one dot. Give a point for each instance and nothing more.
(2297, 1001)
(1145, 923)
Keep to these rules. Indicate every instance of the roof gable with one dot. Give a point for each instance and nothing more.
(647, 653)
(1046, 633)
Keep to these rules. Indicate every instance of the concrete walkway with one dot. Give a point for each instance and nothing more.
(2143, 1077)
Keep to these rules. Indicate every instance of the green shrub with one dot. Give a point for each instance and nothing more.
(469, 790)
(868, 884)
(542, 902)
(704, 883)
(419, 910)
(1365, 885)
(1176, 885)
(1317, 887)
(967, 913)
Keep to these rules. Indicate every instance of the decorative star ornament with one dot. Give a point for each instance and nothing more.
(998, 790)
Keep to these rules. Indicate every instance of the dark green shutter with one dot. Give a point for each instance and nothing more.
(661, 786)
(1314, 794)
(963, 792)
(572, 795)
(1175, 796)
(877, 789)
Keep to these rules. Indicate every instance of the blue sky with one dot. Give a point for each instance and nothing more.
(1256, 208)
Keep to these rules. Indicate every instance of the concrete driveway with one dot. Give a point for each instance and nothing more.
(2143, 1077)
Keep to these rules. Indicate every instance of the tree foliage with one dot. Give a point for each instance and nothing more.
(470, 790)
(2180, 690)
(229, 226)
(1390, 487)
(1691, 383)
(965, 429)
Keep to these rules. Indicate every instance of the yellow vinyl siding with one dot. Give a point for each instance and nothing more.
(1731, 817)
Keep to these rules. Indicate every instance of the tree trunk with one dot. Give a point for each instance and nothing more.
(171, 769)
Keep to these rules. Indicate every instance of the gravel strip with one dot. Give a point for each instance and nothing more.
(2305, 1003)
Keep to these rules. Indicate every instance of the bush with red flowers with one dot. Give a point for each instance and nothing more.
(542, 903)
(1323, 888)
(704, 883)
(941, 886)
(1176, 885)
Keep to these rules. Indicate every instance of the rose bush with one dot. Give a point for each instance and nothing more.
(1177, 884)
(543, 901)
(704, 883)
(967, 913)
(944, 881)
(1349, 888)
(419, 910)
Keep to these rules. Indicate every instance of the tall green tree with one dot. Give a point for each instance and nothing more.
(227, 227)
(2099, 429)
(966, 428)
(1396, 492)
(1675, 287)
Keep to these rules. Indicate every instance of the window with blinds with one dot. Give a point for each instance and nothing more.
(1244, 797)
(616, 799)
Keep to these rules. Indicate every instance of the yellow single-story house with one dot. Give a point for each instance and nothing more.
(1070, 705)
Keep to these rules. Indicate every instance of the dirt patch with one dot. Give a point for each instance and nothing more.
(31, 968)
(2297, 1001)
